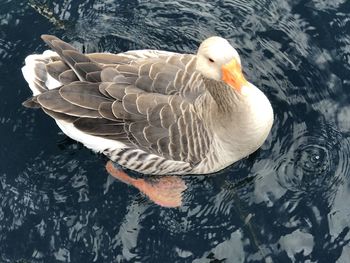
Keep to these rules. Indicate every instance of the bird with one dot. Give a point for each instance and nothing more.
(152, 111)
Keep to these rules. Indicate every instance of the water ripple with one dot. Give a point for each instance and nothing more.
(314, 162)
(286, 202)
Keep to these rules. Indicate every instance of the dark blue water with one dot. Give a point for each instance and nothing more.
(288, 202)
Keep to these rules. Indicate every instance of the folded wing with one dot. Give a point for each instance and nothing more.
(144, 99)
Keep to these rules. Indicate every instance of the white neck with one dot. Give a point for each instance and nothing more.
(248, 125)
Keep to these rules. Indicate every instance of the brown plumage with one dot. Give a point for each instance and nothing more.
(152, 111)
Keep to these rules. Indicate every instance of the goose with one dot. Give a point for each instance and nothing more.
(151, 111)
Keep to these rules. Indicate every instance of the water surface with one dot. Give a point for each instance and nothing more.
(288, 202)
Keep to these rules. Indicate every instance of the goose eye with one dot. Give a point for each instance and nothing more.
(211, 60)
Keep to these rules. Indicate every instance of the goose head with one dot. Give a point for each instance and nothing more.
(218, 60)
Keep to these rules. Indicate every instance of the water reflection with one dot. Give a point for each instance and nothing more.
(303, 189)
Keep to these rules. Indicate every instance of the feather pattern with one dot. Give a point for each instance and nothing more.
(151, 111)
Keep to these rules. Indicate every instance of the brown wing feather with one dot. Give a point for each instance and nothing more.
(53, 101)
(143, 99)
(78, 62)
(56, 68)
(84, 94)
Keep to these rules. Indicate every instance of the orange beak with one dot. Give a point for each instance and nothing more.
(232, 75)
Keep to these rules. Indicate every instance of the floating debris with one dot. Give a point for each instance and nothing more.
(44, 10)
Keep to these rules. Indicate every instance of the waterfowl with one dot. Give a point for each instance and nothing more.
(155, 112)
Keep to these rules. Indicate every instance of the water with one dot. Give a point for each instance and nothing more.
(288, 202)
